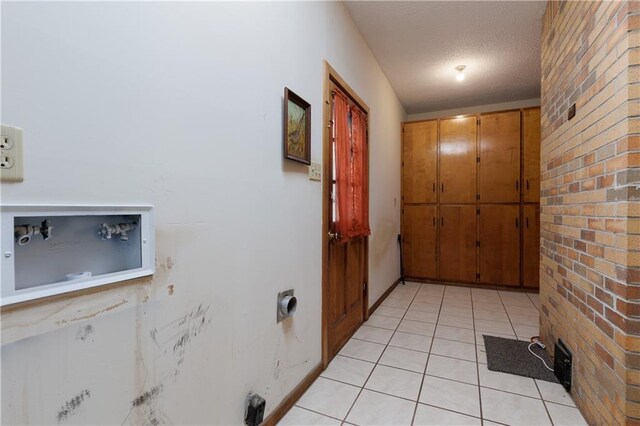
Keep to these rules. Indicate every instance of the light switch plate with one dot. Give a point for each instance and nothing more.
(11, 162)
(315, 171)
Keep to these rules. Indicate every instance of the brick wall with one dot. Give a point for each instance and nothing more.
(590, 217)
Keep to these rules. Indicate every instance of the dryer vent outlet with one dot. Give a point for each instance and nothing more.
(255, 410)
(287, 304)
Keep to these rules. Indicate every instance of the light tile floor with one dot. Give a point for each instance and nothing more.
(420, 360)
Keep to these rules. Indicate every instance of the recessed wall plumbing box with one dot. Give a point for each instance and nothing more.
(50, 250)
(254, 413)
(562, 364)
(287, 304)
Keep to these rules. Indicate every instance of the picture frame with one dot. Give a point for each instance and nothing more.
(297, 128)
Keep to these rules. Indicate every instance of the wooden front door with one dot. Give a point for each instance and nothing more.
(344, 263)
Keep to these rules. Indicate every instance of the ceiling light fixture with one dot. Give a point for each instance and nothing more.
(460, 75)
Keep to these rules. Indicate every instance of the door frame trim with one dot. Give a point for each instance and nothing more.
(332, 76)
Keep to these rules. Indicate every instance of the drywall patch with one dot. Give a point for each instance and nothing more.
(70, 407)
(84, 332)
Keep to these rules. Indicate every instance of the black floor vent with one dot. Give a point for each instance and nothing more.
(562, 364)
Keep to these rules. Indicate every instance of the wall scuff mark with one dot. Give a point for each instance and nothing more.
(83, 332)
(72, 405)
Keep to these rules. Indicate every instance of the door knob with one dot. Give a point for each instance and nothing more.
(334, 236)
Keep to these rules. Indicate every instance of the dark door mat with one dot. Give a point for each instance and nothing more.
(513, 357)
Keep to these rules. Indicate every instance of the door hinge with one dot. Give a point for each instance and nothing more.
(364, 286)
(477, 159)
(477, 196)
(478, 121)
(477, 276)
(477, 211)
(477, 243)
(403, 164)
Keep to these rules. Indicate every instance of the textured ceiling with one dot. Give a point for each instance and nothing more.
(419, 44)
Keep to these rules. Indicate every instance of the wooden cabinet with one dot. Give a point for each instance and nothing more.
(458, 160)
(531, 157)
(500, 244)
(419, 237)
(531, 246)
(419, 162)
(457, 245)
(500, 157)
(471, 192)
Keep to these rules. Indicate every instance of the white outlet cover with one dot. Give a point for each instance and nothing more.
(13, 149)
(315, 171)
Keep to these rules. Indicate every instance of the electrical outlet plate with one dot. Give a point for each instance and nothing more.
(11, 161)
(315, 171)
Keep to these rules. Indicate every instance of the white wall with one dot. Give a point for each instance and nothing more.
(478, 109)
(180, 106)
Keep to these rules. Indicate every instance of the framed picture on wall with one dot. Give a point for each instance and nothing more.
(297, 128)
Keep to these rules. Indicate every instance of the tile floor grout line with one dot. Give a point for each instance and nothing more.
(426, 365)
(449, 410)
(508, 316)
(543, 402)
(316, 412)
(475, 340)
(379, 357)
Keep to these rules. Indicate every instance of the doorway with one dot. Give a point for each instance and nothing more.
(344, 262)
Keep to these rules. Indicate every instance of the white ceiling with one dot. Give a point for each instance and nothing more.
(419, 44)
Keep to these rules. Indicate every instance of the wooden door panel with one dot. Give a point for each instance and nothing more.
(338, 260)
(420, 159)
(500, 244)
(458, 242)
(345, 271)
(500, 157)
(531, 147)
(458, 160)
(419, 241)
(531, 249)
(355, 277)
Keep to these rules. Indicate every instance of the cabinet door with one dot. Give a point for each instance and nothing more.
(531, 148)
(419, 236)
(531, 252)
(419, 160)
(500, 157)
(458, 160)
(500, 244)
(458, 232)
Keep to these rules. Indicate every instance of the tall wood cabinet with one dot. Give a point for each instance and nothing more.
(470, 204)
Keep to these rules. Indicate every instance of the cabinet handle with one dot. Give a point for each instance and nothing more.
(516, 222)
(442, 186)
(517, 186)
(442, 221)
(527, 184)
(434, 221)
(527, 222)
